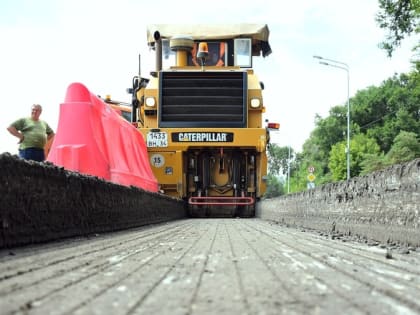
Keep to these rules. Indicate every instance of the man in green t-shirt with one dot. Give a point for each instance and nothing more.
(33, 134)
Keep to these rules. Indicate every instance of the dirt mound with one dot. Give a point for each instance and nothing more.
(42, 202)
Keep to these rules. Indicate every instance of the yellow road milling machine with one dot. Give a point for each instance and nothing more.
(201, 114)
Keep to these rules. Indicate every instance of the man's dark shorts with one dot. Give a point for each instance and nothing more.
(34, 154)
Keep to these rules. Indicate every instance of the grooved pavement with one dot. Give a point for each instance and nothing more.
(209, 266)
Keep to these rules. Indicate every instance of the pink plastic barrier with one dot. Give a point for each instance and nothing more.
(93, 139)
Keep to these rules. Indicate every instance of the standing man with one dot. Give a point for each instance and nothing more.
(33, 134)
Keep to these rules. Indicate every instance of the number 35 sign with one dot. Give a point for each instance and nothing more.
(157, 160)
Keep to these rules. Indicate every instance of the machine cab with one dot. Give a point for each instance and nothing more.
(236, 52)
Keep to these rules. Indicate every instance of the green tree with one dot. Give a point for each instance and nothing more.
(360, 146)
(278, 158)
(275, 187)
(381, 112)
(400, 18)
(278, 161)
(316, 150)
(331, 129)
(406, 147)
(298, 175)
(373, 162)
(337, 161)
(377, 113)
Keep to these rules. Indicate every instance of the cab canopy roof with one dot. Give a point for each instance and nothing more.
(259, 33)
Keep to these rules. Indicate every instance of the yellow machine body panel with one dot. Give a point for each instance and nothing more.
(167, 147)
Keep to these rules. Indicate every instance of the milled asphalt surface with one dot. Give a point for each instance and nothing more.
(210, 266)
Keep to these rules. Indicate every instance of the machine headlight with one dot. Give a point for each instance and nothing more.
(150, 101)
(255, 103)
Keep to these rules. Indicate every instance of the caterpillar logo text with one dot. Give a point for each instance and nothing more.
(202, 137)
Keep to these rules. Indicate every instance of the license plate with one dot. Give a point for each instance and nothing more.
(157, 139)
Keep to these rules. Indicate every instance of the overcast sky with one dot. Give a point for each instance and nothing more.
(48, 44)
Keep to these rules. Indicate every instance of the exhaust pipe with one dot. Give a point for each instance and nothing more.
(158, 42)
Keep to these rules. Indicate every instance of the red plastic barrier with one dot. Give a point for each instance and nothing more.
(93, 139)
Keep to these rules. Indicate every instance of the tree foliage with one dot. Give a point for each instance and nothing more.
(278, 161)
(400, 18)
(360, 146)
(384, 120)
(275, 187)
(278, 158)
(373, 162)
(406, 147)
(382, 112)
(332, 128)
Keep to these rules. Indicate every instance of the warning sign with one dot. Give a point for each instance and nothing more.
(311, 177)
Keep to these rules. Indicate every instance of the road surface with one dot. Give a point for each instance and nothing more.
(210, 266)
